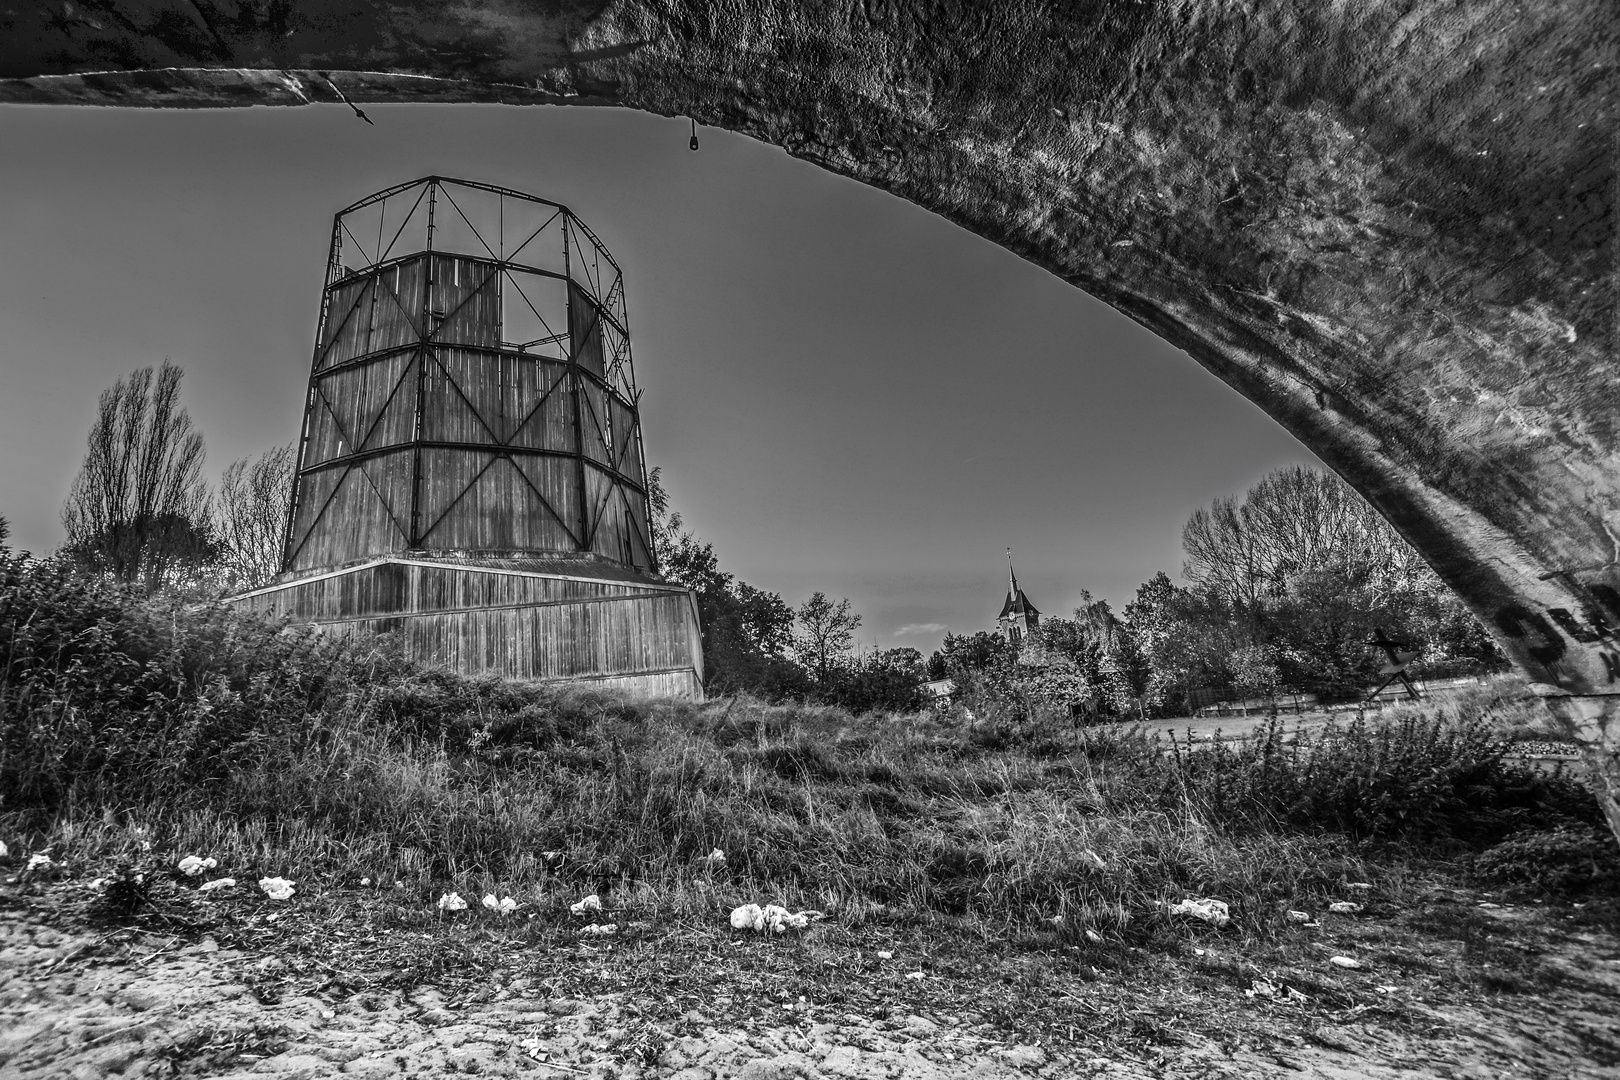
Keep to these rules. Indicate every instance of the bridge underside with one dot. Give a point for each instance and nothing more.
(1391, 225)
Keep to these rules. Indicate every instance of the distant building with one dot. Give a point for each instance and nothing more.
(939, 692)
(1018, 618)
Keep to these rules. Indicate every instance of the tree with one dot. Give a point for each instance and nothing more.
(746, 631)
(1183, 638)
(1294, 520)
(1305, 568)
(138, 509)
(826, 631)
(251, 515)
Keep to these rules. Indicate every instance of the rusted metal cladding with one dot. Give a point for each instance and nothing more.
(471, 474)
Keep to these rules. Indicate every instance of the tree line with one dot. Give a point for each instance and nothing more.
(1285, 588)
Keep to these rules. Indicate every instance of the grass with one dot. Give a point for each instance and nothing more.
(1014, 859)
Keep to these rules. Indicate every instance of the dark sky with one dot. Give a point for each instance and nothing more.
(845, 392)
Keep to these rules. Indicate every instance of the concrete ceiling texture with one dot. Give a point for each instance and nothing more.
(1391, 224)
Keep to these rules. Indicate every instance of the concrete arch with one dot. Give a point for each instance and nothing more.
(1390, 224)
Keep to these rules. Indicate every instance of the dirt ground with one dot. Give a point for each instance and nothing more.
(78, 1001)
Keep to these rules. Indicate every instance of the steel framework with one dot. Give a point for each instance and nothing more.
(472, 387)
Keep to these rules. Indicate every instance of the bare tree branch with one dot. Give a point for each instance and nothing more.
(138, 508)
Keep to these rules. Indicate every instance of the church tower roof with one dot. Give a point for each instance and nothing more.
(1016, 603)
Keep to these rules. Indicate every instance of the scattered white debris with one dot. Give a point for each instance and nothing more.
(1362, 885)
(365, 881)
(5, 852)
(714, 859)
(1265, 988)
(1345, 962)
(1095, 860)
(600, 929)
(1299, 916)
(500, 907)
(1093, 937)
(39, 861)
(1344, 907)
(217, 884)
(772, 917)
(885, 954)
(491, 903)
(1386, 989)
(192, 865)
(590, 903)
(508, 905)
(277, 888)
(1214, 912)
(1487, 905)
(452, 902)
(1056, 920)
(914, 975)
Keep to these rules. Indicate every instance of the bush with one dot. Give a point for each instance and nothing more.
(1421, 776)
(1561, 859)
(283, 753)
(104, 692)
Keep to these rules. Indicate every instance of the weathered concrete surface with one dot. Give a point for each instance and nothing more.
(1390, 224)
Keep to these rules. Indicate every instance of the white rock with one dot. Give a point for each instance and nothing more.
(1214, 912)
(365, 881)
(599, 930)
(508, 905)
(590, 903)
(39, 861)
(490, 902)
(885, 954)
(452, 902)
(217, 884)
(914, 975)
(748, 917)
(1093, 937)
(1344, 907)
(4, 851)
(1345, 962)
(277, 888)
(1299, 916)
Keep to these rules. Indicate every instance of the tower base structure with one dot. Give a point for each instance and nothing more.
(553, 618)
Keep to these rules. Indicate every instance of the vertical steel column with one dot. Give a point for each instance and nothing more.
(334, 255)
(425, 334)
(585, 531)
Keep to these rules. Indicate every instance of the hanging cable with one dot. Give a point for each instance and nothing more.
(694, 143)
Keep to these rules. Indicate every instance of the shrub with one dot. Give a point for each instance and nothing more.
(1561, 859)
(1421, 776)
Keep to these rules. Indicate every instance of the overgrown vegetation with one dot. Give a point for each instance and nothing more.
(279, 752)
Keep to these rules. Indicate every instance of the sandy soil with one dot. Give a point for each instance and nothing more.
(82, 1004)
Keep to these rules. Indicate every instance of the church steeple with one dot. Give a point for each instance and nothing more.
(1018, 616)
